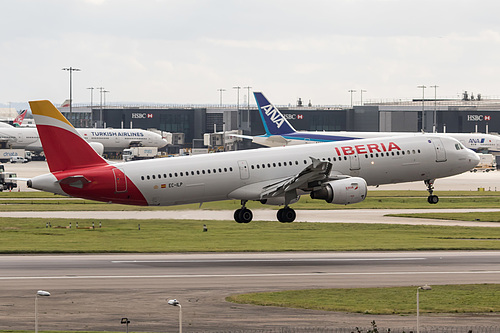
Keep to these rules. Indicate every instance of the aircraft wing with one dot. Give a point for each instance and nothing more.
(309, 178)
(317, 172)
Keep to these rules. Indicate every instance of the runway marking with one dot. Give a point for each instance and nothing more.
(176, 276)
(257, 260)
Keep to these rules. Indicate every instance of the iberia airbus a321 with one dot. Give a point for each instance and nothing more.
(338, 173)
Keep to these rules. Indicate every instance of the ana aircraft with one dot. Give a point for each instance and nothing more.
(338, 173)
(279, 132)
(102, 140)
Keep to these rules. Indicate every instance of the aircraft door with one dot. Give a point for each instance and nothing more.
(120, 181)
(354, 162)
(439, 148)
(20, 138)
(244, 172)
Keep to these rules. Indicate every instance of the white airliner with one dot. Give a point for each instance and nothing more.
(102, 140)
(338, 173)
(279, 132)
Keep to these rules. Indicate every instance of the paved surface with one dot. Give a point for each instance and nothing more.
(324, 216)
(93, 292)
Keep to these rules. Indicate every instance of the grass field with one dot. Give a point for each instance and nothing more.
(30, 235)
(398, 300)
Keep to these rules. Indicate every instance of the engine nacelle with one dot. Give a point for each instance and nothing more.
(343, 191)
(98, 147)
(278, 201)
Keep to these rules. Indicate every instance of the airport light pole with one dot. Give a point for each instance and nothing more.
(238, 118)
(248, 105)
(220, 97)
(426, 287)
(101, 89)
(91, 105)
(175, 302)
(423, 106)
(351, 91)
(362, 91)
(71, 70)
(38, 293)
(434, 125)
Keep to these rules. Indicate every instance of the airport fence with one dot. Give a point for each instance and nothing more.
(424, 329)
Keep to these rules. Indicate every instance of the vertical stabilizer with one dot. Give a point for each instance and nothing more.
(274, 121)
(63, 146)
(19, 119)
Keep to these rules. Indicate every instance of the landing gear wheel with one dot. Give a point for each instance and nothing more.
(243, 215)
(286, 215)
(237, 215)
(433, 199)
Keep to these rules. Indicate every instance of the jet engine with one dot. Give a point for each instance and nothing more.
(98, 147)
(343, 191)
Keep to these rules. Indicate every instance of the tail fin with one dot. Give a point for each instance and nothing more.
(63, 146)
(20, 117)
(274, 121)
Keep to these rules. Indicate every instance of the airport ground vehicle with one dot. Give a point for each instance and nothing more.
(487, 162)
(139, 153)
(18, 159)
(6, 179)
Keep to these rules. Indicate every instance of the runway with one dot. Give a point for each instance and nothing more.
(322, 216)
(93, 292)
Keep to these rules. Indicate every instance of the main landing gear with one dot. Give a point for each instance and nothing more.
(286, 215)
(245, 215)
(432, 199)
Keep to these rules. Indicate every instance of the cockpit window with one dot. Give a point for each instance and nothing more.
(459, 146)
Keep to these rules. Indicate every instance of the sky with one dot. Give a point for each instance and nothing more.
(184, 51)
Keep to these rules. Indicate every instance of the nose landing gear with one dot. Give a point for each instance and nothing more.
(432, 199)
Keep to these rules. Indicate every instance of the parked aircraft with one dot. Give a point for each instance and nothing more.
(337, 172)
(279, 132)
(103, 140)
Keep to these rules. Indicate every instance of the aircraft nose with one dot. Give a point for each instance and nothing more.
(474, 158)
(165, 142)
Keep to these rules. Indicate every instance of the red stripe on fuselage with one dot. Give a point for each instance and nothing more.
(102, 186)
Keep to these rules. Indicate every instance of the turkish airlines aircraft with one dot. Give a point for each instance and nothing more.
(279, 132)
(103, 140)
(338, 173)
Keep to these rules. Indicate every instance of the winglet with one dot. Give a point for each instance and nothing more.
(63, 146)
(274, 121)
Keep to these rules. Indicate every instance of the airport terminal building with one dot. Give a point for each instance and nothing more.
(460, 116)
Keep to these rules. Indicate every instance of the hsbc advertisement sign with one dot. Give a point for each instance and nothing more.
(293, 116)
(141, 115)
(478, 117)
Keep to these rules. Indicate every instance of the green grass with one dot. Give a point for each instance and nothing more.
(396, 300)
(29, 235)
(24, 201)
